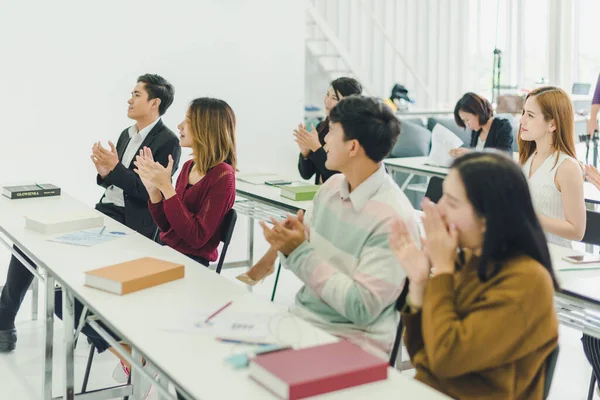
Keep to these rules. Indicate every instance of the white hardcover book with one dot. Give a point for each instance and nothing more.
(64, 222)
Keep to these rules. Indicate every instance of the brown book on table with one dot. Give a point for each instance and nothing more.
(134, 275)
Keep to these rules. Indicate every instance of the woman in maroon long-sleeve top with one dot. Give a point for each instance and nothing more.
(189, 214)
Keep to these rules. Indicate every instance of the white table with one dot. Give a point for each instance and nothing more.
(261, 202)
(578, 300)
(417, 166)
(193, 363)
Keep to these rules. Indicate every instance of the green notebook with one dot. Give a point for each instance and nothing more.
(299, 193)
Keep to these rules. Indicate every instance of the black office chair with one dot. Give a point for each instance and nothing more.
(550, 367)
(434, 189)
(227, 227)
(398, 340)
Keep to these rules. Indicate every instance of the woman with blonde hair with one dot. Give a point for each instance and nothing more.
(189, 214)
(547, 153)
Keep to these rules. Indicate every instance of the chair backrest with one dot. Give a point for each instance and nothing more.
(434, 189)
(592, 228)
(550, 367)
(414, 141)
(227, 227)
(400, 302)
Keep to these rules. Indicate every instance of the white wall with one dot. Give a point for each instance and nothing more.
(431, 35)
(68, 67)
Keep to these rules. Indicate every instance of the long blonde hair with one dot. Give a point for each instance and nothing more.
(556, 105)
(212, 124)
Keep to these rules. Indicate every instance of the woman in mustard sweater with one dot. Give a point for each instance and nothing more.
(481, 327)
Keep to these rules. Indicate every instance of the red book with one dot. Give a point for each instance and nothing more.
(296, 374)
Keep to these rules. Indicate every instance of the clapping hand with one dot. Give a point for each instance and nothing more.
(105, 160)
(307, 141)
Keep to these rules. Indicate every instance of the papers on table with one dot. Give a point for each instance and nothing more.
(442, 141)
(88, 237)
(230, 326)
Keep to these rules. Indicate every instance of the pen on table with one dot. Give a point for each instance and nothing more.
(238, 341)
(102, 230)
(578, 269)
(217, 312)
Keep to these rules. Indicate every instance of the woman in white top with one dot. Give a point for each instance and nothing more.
(547, 153)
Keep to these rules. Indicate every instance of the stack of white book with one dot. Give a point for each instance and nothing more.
(58, 222)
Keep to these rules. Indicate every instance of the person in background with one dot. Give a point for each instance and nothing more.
(475, 113)
(593, 122)
(339, 250)
(312, 155)
(547, 154)
(482, 324)
(311, 162)
(125, 199)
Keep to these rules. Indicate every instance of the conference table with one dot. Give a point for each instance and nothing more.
(154, 321)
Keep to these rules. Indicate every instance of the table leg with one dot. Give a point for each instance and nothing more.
(49, 337)
(276, 281)
(35, 286)
(69, 327)
(250, 249)
(136, 377)
(407, 182)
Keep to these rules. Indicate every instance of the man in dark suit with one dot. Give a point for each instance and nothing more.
(125, 198)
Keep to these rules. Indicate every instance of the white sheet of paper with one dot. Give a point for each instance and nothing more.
(232, 326)
(442, 141)
(87, 237)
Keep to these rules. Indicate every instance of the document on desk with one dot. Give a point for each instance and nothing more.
(231, 326)
(88, 237)
(256, 178)
(442, 141)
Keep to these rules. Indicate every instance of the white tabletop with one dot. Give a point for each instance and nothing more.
(270, 195)
(195, 362)
(582, 279)
(417, 165)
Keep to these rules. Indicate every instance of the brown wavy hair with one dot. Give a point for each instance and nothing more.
(212, 123)
(556, 105)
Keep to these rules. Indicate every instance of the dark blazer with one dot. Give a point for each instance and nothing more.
(314, 164)
(162, 141)
(500, 136)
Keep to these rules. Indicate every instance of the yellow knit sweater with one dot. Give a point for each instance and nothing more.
(485, 340)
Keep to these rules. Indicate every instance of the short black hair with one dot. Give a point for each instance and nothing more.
(346, 86)
(158, 87)
(369, 121)
(473, 103)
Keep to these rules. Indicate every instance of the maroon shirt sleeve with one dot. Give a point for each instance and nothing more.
(197, 229)
(158, 214)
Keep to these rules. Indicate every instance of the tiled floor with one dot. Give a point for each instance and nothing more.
(21, 371)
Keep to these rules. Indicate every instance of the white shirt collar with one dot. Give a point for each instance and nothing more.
(365, 190)
(144, 132)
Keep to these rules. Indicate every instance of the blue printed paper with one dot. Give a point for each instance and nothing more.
(88, 237)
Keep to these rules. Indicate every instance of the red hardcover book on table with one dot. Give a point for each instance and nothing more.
(296, 374)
